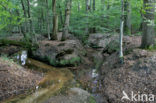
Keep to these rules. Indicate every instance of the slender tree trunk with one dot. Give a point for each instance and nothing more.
(24, 11)
(87, 6)
(31, 30)
(108, 5)
(65, 33)
(94, 5)
(127, 17)
(55, 21)
(102, 5)
(94, 29)
(121, 33)
(61, 17)
(78, 7)
(90, 5)
(29, 16)
(47, 18)
(141, 24)
(148, 24)
(42, 18)
(20, 26)
(87, 11)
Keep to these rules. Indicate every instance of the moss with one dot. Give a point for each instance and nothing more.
(91, 99)
(22, 44)
(73, 61)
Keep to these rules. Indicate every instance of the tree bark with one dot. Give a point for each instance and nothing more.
(94, 29)
(78, 6)
(127, 17)
(148, 24)
(94, 5)
(29, 16)
(61, 17)
(102, 5)
(87, 6)
(31, 29)
(24, 11)
(108, 5)
(121, 33)
(65, 33)
(55, 21)
(87, 11)
(47, 18)
(141, 24)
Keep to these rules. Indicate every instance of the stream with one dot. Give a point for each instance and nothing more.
(54, 80)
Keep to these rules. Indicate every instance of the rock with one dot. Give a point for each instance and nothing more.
(101, 40)
(129, 43)
(60, 53)
(136, 75)
(79, 92)
(110, 43)
(9, 50)
(74, 95)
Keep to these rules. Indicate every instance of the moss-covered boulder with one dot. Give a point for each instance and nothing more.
(60, 53)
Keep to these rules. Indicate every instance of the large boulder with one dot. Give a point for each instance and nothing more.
(136, 75)
(110, 43)
(60, 53)
(101, 40)
(73, 95)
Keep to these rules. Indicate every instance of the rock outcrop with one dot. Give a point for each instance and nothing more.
(60, 53)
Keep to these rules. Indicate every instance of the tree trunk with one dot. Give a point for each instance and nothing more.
(121, 33)
(55, 21)
(61, 18)
(141, 24)
(29, 16)
(31, 30)
(94, 5)
(93, 29)
(78, 7)
(127, 17)
(102, 5)
(65, 33)
(47, 18)
(148, 24)
(87, 11)
(87, 6)
(108, 5)
(24, 11)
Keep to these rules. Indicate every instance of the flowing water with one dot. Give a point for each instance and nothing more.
(54, 80)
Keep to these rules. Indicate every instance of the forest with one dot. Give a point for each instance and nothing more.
(77, 51)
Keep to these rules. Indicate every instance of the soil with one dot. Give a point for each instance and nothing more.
(136, 74)
(15, 79)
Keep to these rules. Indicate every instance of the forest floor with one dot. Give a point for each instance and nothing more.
(136, 74)
(15, 79)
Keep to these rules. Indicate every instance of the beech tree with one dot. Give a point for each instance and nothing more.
(121, 31)
(127, 17)
(65, 33)
(55, 21)
(148, 24)
(87, 11)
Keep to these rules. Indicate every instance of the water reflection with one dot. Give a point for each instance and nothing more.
(22, 57)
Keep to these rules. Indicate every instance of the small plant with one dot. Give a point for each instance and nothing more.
(91, 100)
(73, 61)
(6, 58)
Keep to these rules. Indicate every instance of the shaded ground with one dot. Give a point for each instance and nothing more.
(136, 74)
(14, 79)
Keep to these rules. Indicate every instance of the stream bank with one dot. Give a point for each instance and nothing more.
(98, 75)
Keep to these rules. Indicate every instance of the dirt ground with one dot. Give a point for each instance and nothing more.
(15, 79)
